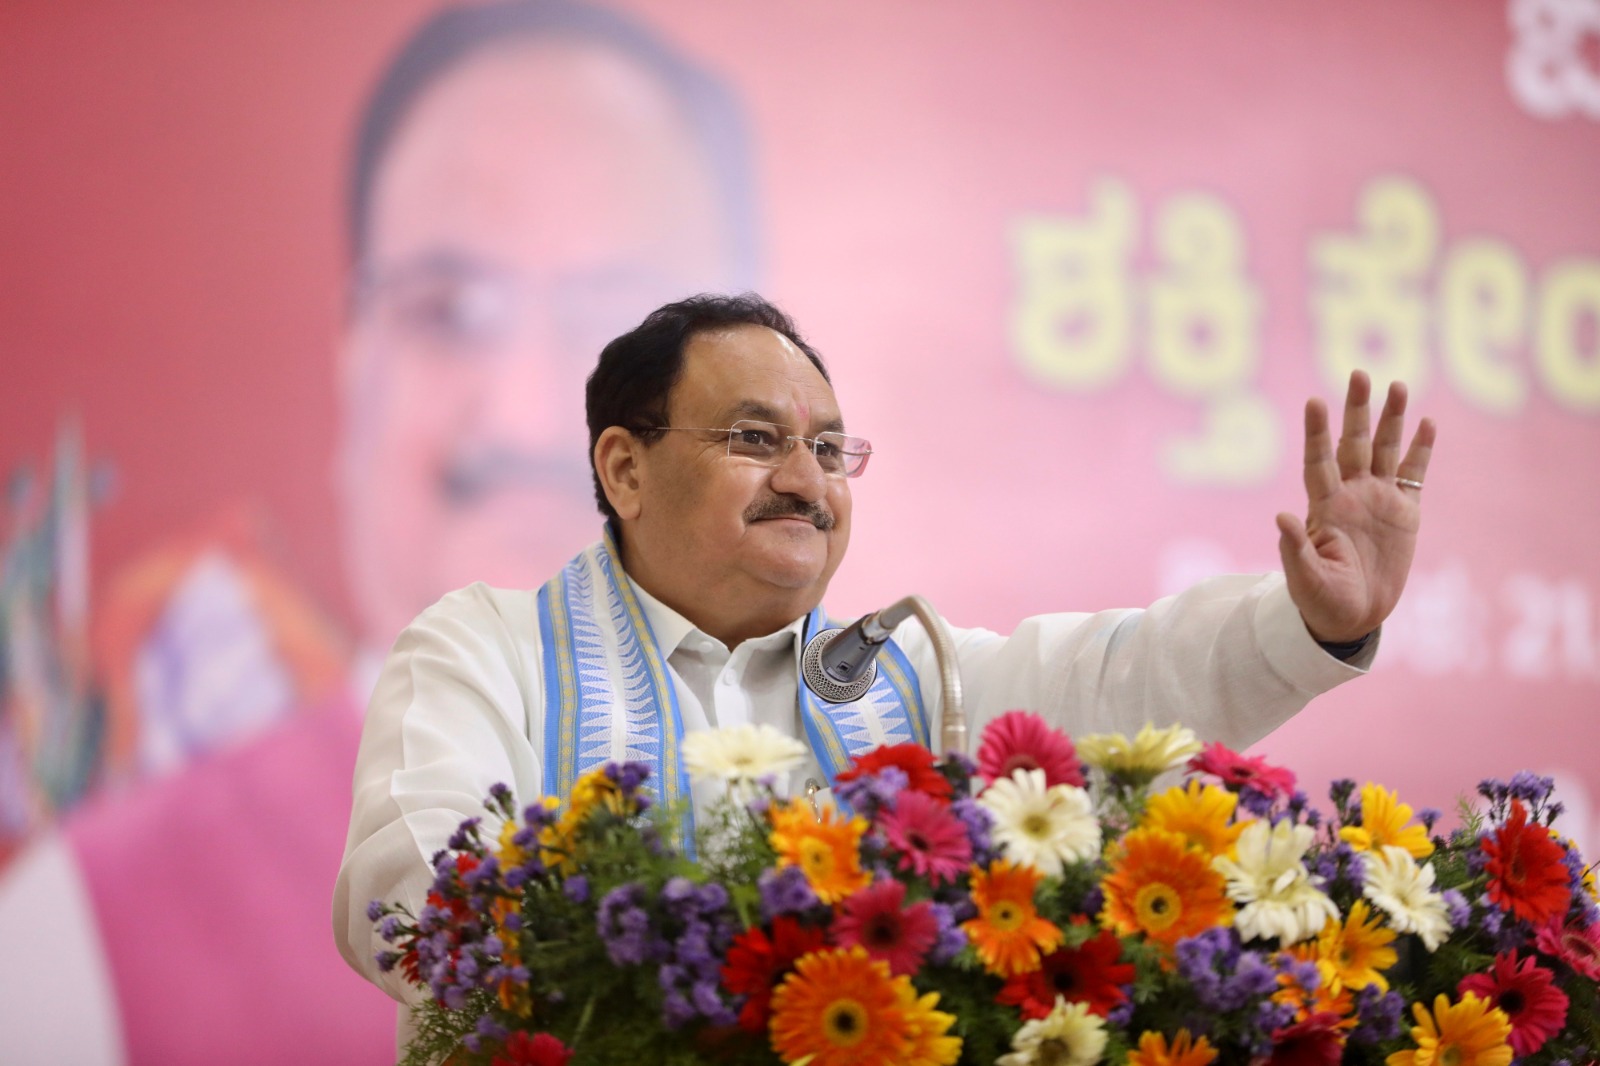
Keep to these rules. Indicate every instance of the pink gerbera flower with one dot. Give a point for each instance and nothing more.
(931, 841)
(877, 919)
(1238, 771)
(1528, 995)
(1019, 740)
(1578, 948)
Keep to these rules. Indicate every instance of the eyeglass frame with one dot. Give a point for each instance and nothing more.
(779, 459)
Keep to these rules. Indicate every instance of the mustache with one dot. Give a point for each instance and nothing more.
(470, 478)
(790, 507)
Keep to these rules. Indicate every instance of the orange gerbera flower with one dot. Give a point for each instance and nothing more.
(1008, 933)
(827, 851)
(1183, 1051)
(843, 1008)
(1470, 1033)
(1383, 823)
(1161, 887)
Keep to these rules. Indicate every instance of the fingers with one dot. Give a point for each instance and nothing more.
(1321, 472)
(1355, 442)
(1414, 466)
(1391, 432)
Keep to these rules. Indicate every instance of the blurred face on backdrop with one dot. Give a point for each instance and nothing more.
(539, 199)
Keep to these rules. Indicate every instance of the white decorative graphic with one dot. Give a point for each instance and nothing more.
(1554, 66)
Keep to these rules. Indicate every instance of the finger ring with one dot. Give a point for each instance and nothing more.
(1407, 483)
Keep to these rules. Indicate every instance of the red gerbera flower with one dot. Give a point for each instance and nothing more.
(1238, 771)
(1088, 974)
(1019, 740)
(913, 759)
(538, 1050)
(931, 841)
(1317, 1041)
(874, 919)
(1528, 995)
(1578, 948)
(1526, 874)
(757, 962)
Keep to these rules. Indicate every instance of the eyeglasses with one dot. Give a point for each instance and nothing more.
(768, 443)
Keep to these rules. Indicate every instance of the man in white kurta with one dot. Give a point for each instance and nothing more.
(728, 552)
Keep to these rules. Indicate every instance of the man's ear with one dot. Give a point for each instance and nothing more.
(617, 458)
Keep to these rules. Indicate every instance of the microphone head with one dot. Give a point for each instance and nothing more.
(826, 688)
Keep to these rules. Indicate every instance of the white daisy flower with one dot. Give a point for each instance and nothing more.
(1044, 827)
(741, 753)
(1404, 891)
(1277, 895)
(1068, 1036)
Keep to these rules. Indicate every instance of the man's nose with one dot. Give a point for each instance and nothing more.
(799, 473)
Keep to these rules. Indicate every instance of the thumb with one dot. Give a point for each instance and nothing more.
(1294, 546)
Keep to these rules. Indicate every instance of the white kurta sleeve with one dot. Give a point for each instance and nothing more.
(1230, 658)
(455, 705)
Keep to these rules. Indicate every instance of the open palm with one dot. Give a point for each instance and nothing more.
(1347, 562)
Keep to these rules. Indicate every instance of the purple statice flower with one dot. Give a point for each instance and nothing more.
(979, 824)
(1303, 973)
(785, 891)
(454, 997)
(1493, 919)
(1378, 1013)
(500, 792)
(375, 910)
(1255, 801)
(1457, 909)
(680, 897)
(1094, 900)
(627, 776)
(676, 1010)
(486, 873)
(1530, 788)
(473, 1043)
(1429, 817)
(516, 877)
(490, 1029)
(1477, 861)
(389, 928)
(950, 939)
(1121, 1015)
(1313, 818)
(624, 926)
(576, 888)
(387, 960)
(537, 816)
(465, 835)
(870, 794)
(525, 838)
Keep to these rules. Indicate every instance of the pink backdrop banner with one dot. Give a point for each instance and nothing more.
(1075, 268)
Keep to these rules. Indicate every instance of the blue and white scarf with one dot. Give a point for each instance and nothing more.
(609, 694)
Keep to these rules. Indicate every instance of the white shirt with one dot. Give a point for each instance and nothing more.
(459, 704)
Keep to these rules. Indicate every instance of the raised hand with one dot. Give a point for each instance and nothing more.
(1347, 563)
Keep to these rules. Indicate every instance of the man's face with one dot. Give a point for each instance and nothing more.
(535, 203)
(732, 532)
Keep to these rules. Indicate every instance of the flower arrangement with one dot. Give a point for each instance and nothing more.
(1048, 903)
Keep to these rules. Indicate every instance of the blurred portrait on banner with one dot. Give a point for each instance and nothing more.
(298, 307)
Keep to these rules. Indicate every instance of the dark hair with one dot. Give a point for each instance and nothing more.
(455, 34)
(634, 378)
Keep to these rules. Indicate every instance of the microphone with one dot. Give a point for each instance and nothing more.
(839, 665)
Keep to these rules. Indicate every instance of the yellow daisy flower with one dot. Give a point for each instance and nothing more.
(827, 851)
(1184, 1050)
(1470, 1033)
(1383, 824)
(1356, 952)
(1199, 813)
